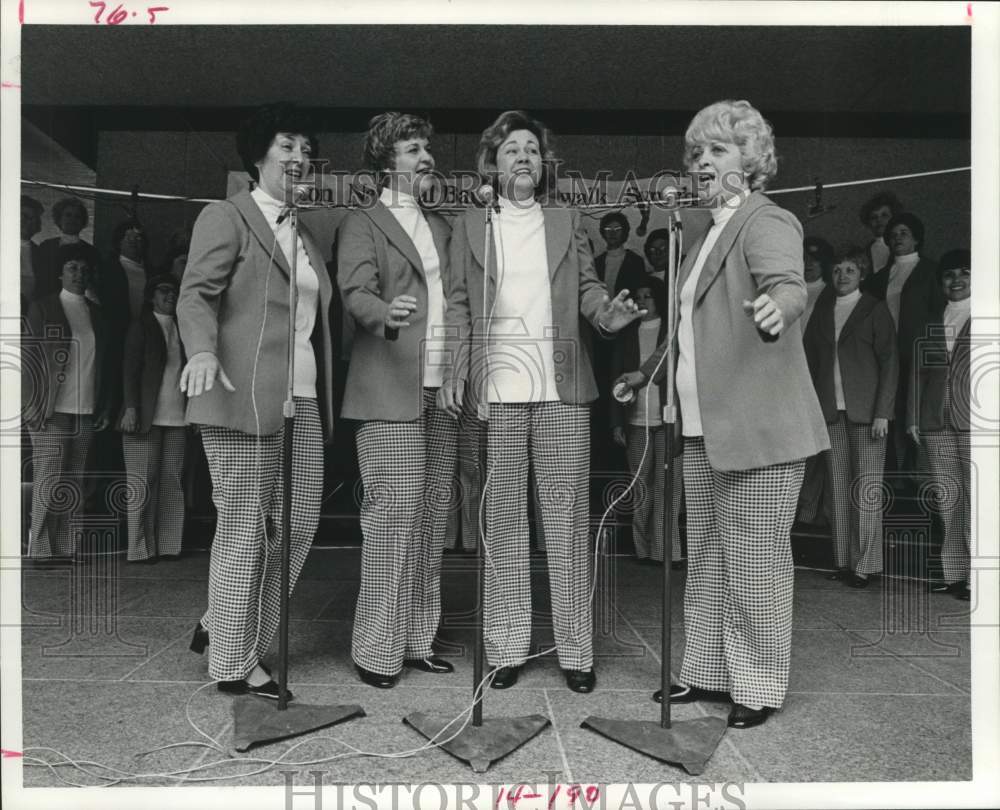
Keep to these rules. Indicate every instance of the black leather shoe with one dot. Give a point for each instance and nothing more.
(963, 593)
(241, 687)
(434, 664)
(689, 694)
(949, 587)
(580, 681)
(855, 581)
(744, 717)
(199, 641)
(505, 677)
(839, 574)
(376, 679)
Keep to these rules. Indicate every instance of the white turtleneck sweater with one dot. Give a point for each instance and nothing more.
(521, 367)
(687, 380)
(842, 309)
(406, 210)
(76, 393)
(307, 288)
(956, 313)
(898, 274)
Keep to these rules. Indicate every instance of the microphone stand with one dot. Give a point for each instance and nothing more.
(481, 742)
(690, 743)
(259, 720)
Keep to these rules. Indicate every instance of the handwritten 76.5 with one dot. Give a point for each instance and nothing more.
(118, 14)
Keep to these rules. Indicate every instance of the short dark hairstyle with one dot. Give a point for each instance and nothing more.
(911, 221)
(385, 131)
(656, 287)
(32, 203)
(74, 252)
(615, 216)
(159, 280)
(856, 255)
(656, 233)
(257, 132)
(119, 231)
(69, 202)
(497, 132)
(953, 259)
(882, 198)
(818, 247)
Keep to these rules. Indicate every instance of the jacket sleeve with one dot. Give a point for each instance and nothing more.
(215, 247)
(773, 250)
(592, 289)
(358, 274)
(132, 365)
(650, 366)
(458, 314)
(887, 352)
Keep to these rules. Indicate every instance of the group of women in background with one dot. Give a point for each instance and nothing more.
(487, 317)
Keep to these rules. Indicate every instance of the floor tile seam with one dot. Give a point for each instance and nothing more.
(908, 660)
(559, 744)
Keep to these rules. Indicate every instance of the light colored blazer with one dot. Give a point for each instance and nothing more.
(376, 261)
(866, 350)
(230, 290)
(758, 406)
(577, 295)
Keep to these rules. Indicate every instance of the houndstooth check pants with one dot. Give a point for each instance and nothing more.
(153, 463)
(58, 457)
(738, 598)
(409, 475)
(647, 512)
(856, 464)
(557, 437)
(244, 575)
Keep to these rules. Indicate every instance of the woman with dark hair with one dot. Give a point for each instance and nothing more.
(528, 348)
(233, 314)
(850, 345)
(618, 267)
(392, 264)
(70, 216)
(875, 215)
(749, 417)
(938, 415)
(909, 287)
(64, 397)
(152, 426)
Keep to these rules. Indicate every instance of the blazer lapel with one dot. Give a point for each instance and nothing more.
(475, 228)
(858, 314)
(717, 256)
(259, 227)
(440, 232)
(557, 233)
(316, 260)
(388, 224)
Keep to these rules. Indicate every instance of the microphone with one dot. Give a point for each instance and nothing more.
(488, 197)
(301, 194)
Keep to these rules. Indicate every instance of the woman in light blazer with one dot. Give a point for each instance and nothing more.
(850, 345)
(530, 346)
(233, 316)
(392, 264)
(152, 426)
(749, 417)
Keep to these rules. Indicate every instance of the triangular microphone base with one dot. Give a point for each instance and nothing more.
(479, 746)
(258, 720)
(689, 743)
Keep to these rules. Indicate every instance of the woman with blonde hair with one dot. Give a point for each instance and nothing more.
(749, 417)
